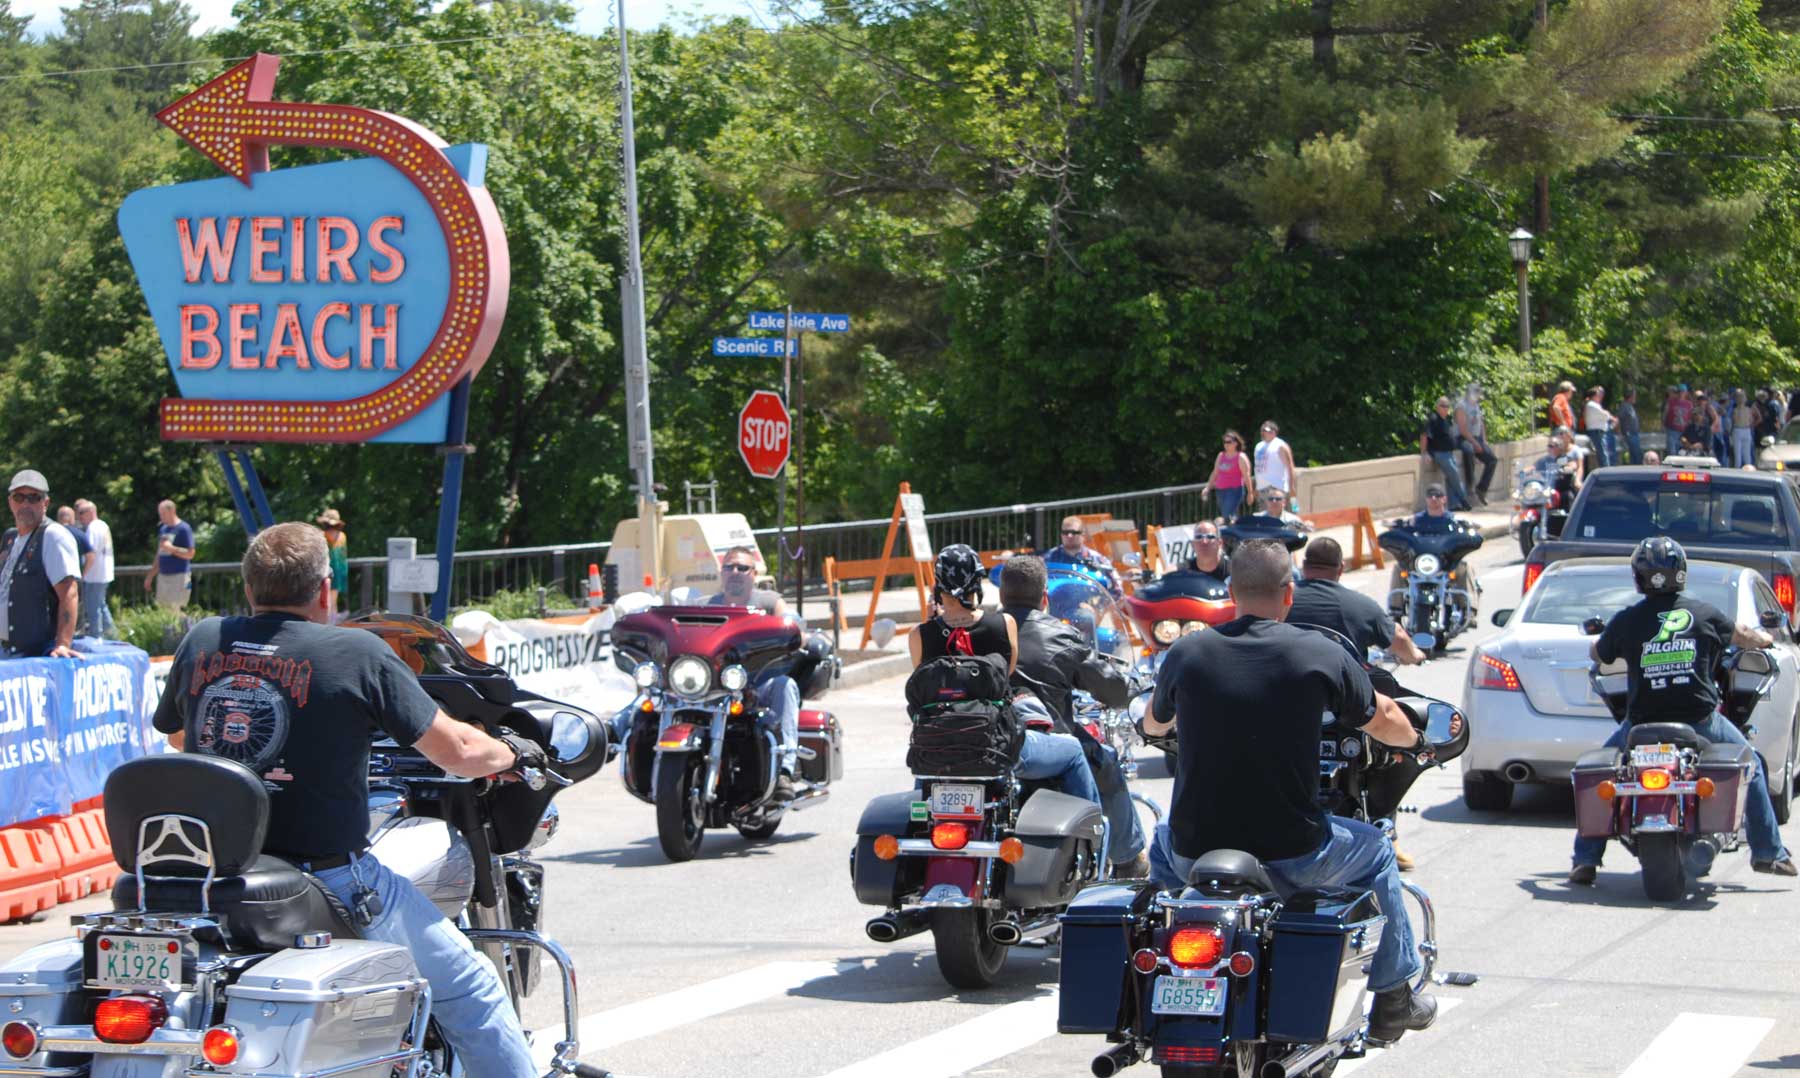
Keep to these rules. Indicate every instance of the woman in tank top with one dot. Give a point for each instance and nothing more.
(960, 627)
(1231, 468)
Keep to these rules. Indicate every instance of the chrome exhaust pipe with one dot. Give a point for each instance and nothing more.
(1114, 1060)
(1301, 1061)
(1517, 772)
(808, 798)
(1005, 933)
(890, 927)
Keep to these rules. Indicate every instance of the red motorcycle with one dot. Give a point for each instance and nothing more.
(695, 749)
(1179, 603)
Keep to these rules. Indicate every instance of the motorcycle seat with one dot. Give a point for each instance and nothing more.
(1671, 733)
(1229, 869)
(265, 906)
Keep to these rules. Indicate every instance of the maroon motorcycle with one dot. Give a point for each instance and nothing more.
(696, 749)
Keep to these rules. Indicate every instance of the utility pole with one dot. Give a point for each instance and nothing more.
(797, 411)
(637, 360)
(1541, 220)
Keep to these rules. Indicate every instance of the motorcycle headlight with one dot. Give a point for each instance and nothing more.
(689, 676)
(734, 678)
(1192, 627)
(1427, 564)
(1166, 631)
(570, 737)
(1533, 490)
(646, 675)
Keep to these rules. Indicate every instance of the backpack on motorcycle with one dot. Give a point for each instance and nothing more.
(963, 719)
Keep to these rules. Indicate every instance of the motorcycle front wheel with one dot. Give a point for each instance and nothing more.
(965, 955)
(1665, 876)
(1527, 539)
(680, 805)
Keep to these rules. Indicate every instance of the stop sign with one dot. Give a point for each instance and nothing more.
(763, 430)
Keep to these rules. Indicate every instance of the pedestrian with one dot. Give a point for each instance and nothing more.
(338, 547)
(1676, 410)
(94, 582)
(1230, 478)
(1697, 435)
(1652, 457)
(1437, 443)
(1471, 429)
(40, 577)
(1630, 428)
(84, 551)
(1274, 460)
(1743, 429)
(1561, 414)
(1720, 441)
(170, 574)
(1599, 424)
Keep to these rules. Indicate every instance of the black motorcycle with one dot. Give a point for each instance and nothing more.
(1433, 599)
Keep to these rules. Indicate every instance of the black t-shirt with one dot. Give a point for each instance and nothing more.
(986, 637)
(1671, 644)
(1329, 603)
(1248, 700)
(1440, 434)
(297, 703)
(1221, 572)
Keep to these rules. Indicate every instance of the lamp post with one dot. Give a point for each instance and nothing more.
(1520, 242)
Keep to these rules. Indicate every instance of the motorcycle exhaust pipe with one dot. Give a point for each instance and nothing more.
(1516, 772)
(1111, 1062)
(890, 927)
(808, 799)
(1005, 933)
(1300, 1062)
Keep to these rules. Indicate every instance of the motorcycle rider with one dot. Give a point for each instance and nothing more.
(1686, 637)
(1247, 699)
(1320, 600)
(1435, 519)
(1074, 551)
(295, 699)
(781, 716)
(1209, 553)
(1059, 661)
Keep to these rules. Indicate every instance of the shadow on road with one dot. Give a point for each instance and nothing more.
(1533, 806)
(1624, 889)
(1152, 764)
(1785, 1063)
(720, 845)
(912, 977)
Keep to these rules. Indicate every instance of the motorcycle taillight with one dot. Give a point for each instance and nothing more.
(129, 1019)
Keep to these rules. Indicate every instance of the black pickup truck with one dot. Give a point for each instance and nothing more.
(1719, 514)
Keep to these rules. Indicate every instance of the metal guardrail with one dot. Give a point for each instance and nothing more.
(479, 574)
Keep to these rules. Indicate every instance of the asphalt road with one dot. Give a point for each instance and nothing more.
(751, 961)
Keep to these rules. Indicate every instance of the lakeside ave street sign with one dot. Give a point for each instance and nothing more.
(764, 432)
(804, 322)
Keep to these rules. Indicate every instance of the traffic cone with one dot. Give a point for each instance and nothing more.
(593, 587)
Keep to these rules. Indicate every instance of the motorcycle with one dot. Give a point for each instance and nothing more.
(694, 749)
(1433, 599)
(1230, 978)
(220, 959)
(1542, 508)
(1261, 526)
(1670, 796)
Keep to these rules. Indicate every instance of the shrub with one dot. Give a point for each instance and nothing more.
(154, 628)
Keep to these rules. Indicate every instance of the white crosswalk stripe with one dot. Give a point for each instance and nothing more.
(963, 1047)
(1701, 1046)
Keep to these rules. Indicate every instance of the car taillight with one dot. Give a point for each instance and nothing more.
(220, 1045)
(1784, 592)
(20, 1039)
(1532, 572)
(1196, 948)
(1686, 477)
(949, 836)
(128, 1019)
(1492, 673)
(1655, 779)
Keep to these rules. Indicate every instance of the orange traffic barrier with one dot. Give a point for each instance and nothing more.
(86, 850)
(29, 864)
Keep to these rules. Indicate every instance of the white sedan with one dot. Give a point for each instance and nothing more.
(1532, 710)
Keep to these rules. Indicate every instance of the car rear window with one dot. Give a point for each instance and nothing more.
(1716, 511)
(1570, 598)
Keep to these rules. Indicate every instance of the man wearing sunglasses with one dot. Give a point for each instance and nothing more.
(778, 694)
(40, 579)
(1074, 551)
(1209, 553)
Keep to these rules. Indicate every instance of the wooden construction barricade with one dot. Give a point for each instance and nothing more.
(1362, 524)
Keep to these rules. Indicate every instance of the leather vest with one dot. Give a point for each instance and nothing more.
(31, 604)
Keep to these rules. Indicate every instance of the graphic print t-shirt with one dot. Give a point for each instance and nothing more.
(296, 703)
(1671, 644)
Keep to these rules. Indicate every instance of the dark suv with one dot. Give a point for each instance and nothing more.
(1720, 514)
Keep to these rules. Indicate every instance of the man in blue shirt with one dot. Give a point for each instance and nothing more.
(174, 552)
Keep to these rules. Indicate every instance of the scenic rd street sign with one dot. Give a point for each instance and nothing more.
(763, 434)
(804, 322)
(751, 346)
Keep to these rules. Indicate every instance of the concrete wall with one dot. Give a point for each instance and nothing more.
(1388, 485)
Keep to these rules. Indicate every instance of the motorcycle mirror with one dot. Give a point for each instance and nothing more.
(1447, 730)
(1771, 619)
(882, 631)
(1501, 617)
(1134, 559)
(1593, 627)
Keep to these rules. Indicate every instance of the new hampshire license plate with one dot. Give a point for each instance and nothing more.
(138, 961)
(1188, 995)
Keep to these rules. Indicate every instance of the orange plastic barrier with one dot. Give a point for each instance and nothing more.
(29, 864)
(87, 861)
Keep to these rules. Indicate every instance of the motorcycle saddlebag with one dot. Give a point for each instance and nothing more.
(333, 1007)
(820, 732)
(1062, 838)
(1322, 940)
(1096, 957)
(43, 985)
(1729, 767)
(878, 882)
(1594, 817)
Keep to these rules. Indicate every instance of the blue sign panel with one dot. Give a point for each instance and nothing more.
(752, 346)
(66, 723)
(804, 321)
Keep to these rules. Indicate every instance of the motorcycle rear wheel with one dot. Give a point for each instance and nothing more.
(966, 957)
(680, 805)
(1665, 876)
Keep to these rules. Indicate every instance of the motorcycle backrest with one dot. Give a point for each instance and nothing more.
(196, 815)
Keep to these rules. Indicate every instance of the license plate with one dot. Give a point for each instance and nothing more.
(956, 799)
(139, 961)
(1188, 995)
(1653, 756)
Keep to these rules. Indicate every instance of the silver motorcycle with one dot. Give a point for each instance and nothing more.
(221, 960)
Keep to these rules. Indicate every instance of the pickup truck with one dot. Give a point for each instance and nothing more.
(1719, 514)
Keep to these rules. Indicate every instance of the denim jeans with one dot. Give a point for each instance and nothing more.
(781, 716)
(1231, 499)
(1472, 454)
(1671, 442)
(96, 616)
(1453, 484)
(1759, 812)
(1048, 756)
(1636, 447)
(1356, 855)
(1743, 447)
(467, 999)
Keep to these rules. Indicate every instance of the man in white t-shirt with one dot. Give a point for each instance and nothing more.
(97, 618)
(1274, 460)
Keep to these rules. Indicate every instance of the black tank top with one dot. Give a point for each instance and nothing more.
(986, 637)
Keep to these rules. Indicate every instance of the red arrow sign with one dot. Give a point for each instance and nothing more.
(763, 434)
(232, 121)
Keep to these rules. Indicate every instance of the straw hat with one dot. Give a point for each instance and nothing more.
(329, 519)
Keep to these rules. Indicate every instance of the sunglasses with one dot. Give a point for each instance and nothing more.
(1437, 495)
(737, 567)
(27, 499)
(1206, 538)
(1075, 531)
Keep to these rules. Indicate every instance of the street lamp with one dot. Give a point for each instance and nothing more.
(1520, 242)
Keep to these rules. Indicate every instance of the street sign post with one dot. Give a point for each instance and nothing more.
(764, 434)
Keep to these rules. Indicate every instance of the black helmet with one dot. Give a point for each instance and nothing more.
(958, 571)
(1659, 566)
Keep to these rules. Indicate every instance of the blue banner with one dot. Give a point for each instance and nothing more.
(66, 723)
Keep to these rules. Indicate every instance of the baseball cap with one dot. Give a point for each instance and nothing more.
(29, 478)
(1434, 488)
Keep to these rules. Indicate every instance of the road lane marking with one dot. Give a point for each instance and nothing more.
(963, 1047)
(1701, 1046)
(1446, 1004)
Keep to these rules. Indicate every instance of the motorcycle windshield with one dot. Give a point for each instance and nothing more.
(423, 645)
(1079, 601)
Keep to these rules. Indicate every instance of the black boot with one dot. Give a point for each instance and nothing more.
(784, 788)
(1398, 1010)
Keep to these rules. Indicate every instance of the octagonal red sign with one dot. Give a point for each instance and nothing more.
(764, 433)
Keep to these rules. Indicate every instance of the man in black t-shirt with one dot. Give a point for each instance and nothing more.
(1437, 442)
(1320, 600)
(1671, 644)
(1247, 700)
(1209, 553)
(297, 701)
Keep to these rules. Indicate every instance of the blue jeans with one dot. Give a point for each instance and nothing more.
(781, 716)
(471, 1007)
(1743, 447)
(1231, 499)
(1453, 484)
(1633, 443)
(96, 616)
(1671, 442)
(1356, 855)
(1759, 812)
(1047, 756)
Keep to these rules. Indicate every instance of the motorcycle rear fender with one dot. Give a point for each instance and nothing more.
(1643, 809)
